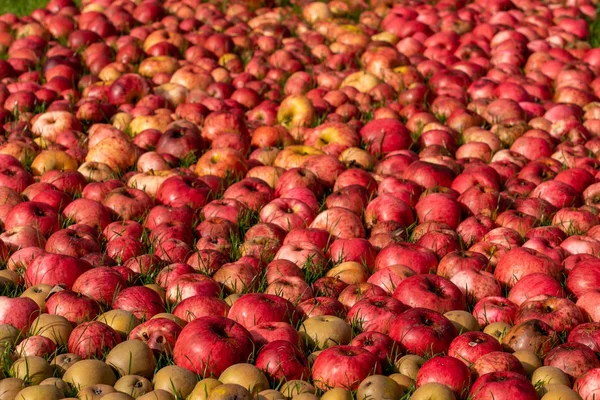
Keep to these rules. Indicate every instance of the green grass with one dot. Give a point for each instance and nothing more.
(21, 7)
(595, 31)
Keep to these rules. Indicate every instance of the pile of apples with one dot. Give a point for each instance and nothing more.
(252, 199)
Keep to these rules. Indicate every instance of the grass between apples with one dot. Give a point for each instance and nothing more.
(23, 7)
(20, 7)
(595, 30)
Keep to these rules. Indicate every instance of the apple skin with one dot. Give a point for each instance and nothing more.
(281, 360)
(20, 259)
(560, 313)
(320, 237)
(388, 208)
(19, 312)
(520, 262)
(421, 331)
(268, 332)
(189, 285)
(439, 207)
(74, 307)
(380, 344)
(429, 175)
(209, 345)
(375, 314)
(503, 385)
(341, 223)
(574, 359)
(256, 308)
(457, 261)
(587, 334)
(72, 242)
(418, 258)
(128, 203)
(98, 190)
(101, 284)
(533, 285)
(432, 292)
(320, 305)
(200, 306)
(128, 88)
(254, 193)
(448, 371)
(92, 339)
(141, 301)
(587, 385)
(583, 277)
(160, 334)
(343, 367)
(495, 309)
(39, 215)
(55, 269)
(35, 345)
(385, 135)
(353, 197)
(470, 346)
(88, 212)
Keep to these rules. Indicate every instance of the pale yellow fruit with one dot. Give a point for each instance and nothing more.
(431, 391)
(327, 330)
(32, 369)
(549, 375)
(40, 392)
(203, 389)
(89, 372)
(120, 320)
(295, 387)
(132, 357)
(463, 321)
(174, 379)
(529, 360)
(337, 394)
(379, 387)
(133, 385)
(409, 365)
(245, 375)
(497, 330)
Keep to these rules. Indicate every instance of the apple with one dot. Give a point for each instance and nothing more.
(418, 258)
(74, 307)
(254, 308)
(100, 283)
(422, 331)
(470, 346)
(319, 306)
(375, 314)
(54, 269)
(209, 345)
(41, 216)
(91, 339)
(520, 262)
(448, 371)
(560, 313)
(430, 291)
(282, 360)
(200, 306)
(23, 312)
(494, 362)
(159, 333)
(503, 385)
(574, 359)
(141, 301)
(343, 366)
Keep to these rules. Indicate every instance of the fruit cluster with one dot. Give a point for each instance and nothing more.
(276, 199)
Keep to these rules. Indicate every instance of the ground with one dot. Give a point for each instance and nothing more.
(20, 7)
